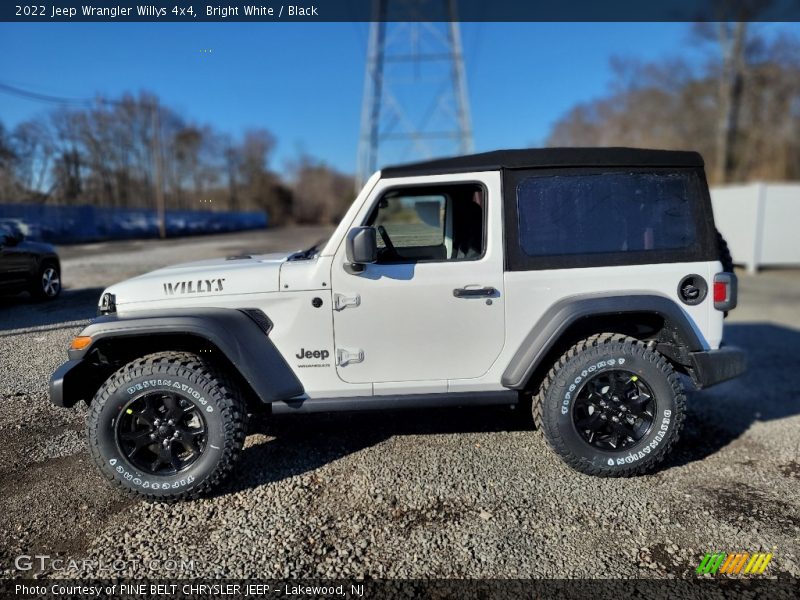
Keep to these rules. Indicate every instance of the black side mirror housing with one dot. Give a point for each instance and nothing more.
(362, 247)
(10, 239)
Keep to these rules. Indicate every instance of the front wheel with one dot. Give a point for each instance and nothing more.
(611, 406)
(47, 284)
(166, 427)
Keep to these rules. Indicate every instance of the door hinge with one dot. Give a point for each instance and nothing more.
(345, 357)
(340, 302)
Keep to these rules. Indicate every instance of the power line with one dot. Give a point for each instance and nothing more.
(158, 167)
(12, 90)
(19, 92)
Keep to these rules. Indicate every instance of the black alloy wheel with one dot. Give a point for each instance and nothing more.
(161, 433)
(614, 410)
(611, 405)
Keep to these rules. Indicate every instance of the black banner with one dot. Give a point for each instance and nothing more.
(606, 589)
(404, 10)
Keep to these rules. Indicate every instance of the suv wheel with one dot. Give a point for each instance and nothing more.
(48, 283)
(167, 427)
(611, 407)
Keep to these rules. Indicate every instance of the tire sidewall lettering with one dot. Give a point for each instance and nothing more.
(170, 386)
(105, 431)
(561, 397)
(592, 369)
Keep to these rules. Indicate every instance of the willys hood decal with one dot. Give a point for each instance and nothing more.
(205, 278)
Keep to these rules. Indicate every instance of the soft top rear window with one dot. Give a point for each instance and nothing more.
(604, 213)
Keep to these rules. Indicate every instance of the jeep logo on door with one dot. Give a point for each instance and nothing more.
(320, 354)
(199, 286)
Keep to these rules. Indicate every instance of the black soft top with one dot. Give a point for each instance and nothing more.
(548, 157)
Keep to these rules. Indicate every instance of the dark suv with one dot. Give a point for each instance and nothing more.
(27, 265)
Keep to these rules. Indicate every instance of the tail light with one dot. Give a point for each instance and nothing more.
(725, 291)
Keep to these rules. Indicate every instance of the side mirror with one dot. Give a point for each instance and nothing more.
(10, 239)
(361, 248)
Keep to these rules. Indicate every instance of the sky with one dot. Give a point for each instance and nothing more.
(304, 82)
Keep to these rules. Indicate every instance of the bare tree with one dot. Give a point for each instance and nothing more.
(321, 194)
(104, 155)
(744, 123)
(9, 186)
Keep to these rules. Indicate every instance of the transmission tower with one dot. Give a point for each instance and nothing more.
(415, 90)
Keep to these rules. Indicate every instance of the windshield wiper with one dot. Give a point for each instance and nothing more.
(308, 253)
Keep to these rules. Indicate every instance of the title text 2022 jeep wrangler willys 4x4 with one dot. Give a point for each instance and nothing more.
(578, 282)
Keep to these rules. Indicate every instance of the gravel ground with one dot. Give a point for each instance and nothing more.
(450, 493)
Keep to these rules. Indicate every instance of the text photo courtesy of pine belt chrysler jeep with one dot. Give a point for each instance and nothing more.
(577, 283)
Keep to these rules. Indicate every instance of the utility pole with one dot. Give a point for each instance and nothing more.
(415, 89)
(158, 168)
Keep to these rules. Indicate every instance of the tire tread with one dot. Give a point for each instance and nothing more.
(629, 344)
(196, 369)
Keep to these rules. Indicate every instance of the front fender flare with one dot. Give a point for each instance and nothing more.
(239, 337)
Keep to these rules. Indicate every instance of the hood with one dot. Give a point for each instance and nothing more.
(35, 247)
(202, 279)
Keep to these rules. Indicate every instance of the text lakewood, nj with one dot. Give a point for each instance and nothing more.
(170, 12)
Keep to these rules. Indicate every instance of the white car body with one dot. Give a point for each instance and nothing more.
(398, 328)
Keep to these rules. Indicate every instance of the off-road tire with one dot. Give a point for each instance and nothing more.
(553, 405)
(37, 288)
(197, 381)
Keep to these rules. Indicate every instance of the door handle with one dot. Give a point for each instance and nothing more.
(484, 292)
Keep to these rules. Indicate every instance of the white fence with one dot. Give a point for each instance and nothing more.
(761, 222)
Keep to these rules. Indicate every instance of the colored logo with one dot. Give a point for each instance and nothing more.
(742, 563)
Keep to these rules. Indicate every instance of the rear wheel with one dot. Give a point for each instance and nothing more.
(167, 426)
(48, 283)
(611, 406)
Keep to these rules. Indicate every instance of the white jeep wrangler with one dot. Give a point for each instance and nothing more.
(576, 283)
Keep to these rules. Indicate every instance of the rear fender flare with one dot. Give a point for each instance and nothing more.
(564, 313)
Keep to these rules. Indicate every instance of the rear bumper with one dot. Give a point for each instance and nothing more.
(715, 366)
(66, 383)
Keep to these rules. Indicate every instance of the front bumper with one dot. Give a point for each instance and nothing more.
(714, 366)
(69, 383)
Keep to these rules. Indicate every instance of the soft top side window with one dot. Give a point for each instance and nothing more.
(601, 213)
(431, 223)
